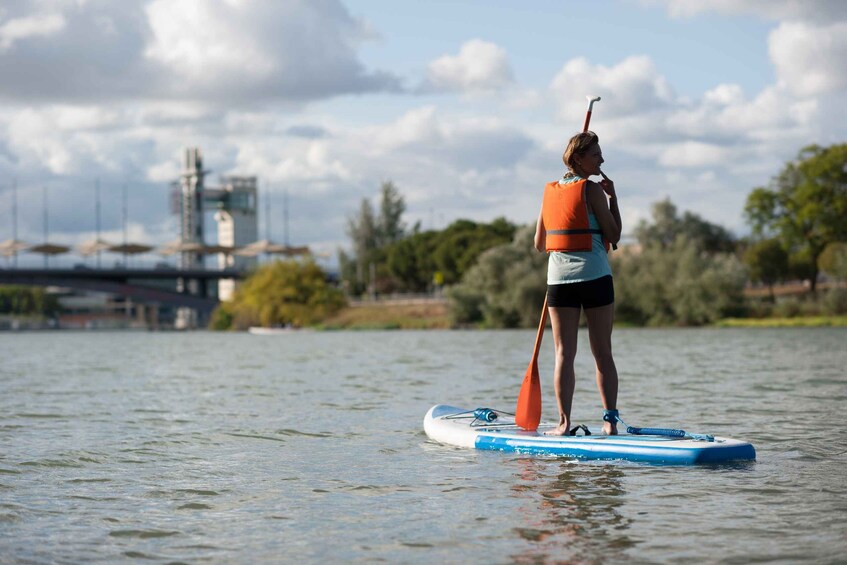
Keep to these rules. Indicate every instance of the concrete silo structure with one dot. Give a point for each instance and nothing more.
(235, 206)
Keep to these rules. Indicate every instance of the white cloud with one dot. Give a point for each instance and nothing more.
(693, 154)
(810, 60)
(633, 86)
(230, 53)
(724, 95)
(38, 25)
(205, 42)
(811, 10)
(479, 66)
(297, 50)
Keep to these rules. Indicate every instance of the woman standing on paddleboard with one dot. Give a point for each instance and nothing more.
(578, 222)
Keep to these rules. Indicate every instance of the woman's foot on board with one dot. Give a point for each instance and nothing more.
(562, 429)
(559, 431)
(610, 422)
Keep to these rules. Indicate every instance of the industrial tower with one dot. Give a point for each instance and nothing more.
(235, 205)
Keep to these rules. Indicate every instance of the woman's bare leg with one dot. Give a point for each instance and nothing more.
(565, 324)
(600, 321)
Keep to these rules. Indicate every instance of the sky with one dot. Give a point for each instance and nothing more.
(466, 105)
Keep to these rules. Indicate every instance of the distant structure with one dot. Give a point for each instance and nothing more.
(235, 203)
(238, 225)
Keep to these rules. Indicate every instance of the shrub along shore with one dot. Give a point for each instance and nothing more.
(435, 315)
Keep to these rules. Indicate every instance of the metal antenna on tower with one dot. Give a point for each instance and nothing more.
(124, 219)
(46, 228)
(285, 217)
(268, 212)
(97, 217)
(15, 219)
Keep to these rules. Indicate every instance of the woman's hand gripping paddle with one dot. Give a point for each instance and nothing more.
(528, 411)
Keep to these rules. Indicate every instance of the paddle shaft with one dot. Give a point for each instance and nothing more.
(540, 333)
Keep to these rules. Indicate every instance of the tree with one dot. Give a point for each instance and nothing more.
(410, 260)
(667, 226)
(677, 285)
(504, 288)
(805, 205)
(371, 235)
(27, 300)
(833, 260)
(363, 232)
(460, 245)
(390, 227)
(767, 262)
(280, 293)
(683, 274)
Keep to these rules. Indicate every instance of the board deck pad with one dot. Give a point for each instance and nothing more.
(459, 427)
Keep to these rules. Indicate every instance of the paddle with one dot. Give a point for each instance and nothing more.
(528, 410)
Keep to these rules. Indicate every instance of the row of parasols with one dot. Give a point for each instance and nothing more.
(12, 247)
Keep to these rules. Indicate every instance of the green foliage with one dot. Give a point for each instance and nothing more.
(681, 284)
(27, 300)
(390, 226)
(370, 235)
(222, 317)
(805, 205)
(767, 262)
(411, 262)
(387, 258)
(683, 273)
(834, 302)
(281, 293)
(451, 252)
(833, 260)
(667, 226)
(505, 288)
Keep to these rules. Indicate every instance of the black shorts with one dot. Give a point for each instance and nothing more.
(586, 294)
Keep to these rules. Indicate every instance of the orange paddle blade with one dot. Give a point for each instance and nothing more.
(528, 410)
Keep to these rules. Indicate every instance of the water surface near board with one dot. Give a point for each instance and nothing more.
(308, 447)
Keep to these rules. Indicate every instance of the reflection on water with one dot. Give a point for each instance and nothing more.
(574, 514)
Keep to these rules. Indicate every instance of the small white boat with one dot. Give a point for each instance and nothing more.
(258, 330)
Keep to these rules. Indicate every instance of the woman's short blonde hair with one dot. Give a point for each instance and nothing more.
(579, 144)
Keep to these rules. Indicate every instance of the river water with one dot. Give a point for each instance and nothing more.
(308, 447)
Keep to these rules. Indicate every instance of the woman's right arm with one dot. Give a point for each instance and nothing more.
(540, 234)
(607, 212)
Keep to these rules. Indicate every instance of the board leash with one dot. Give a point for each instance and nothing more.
(482, 417)
(613, 417)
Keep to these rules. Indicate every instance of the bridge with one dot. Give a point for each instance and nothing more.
(148, 286)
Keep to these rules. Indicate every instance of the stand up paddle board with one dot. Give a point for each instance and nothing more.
(485, 428)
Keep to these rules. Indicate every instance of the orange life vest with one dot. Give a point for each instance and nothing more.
(565, 215)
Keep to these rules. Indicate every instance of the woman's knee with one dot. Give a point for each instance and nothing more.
(565, 355)
(605, 361)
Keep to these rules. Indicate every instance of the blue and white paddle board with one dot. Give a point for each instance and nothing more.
(462, 428)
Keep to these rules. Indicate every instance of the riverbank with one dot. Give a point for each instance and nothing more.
(391, 316)
(797, 322)
(434, 315)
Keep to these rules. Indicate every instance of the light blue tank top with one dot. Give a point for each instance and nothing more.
(579, 266)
